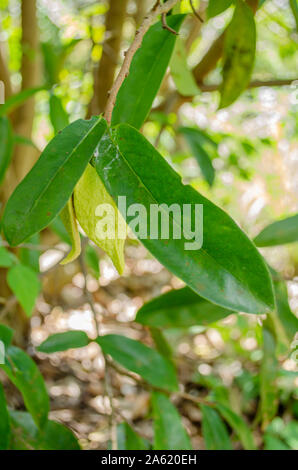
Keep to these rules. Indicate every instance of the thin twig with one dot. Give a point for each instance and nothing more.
(158, 9)
(107, 378)
(166, 26)
(195, 12)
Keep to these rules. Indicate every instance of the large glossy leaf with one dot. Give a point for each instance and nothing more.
(238, 424)
(196, 144)
(91, 201)
(182, 75)
(169, 433)
(25, 284)
(180, 308)
(147, 70)
(25, 375)
(239, 54)
(46, 189)
(268, 376)
(64, 341)
(215, 7)
(227, 270)
(138, 358)
(26, 436)
(4, 422)
(214, 430)
(279, 233)
(127, 439)
(6, 146)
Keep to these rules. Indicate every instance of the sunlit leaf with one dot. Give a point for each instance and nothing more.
(279, 233)
(25, 284)
(182, 75)
(70, 223)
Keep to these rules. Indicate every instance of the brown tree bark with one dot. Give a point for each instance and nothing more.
(104, 73)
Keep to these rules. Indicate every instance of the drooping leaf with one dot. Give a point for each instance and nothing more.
(138, 358)
(64, 341)
(26, 436)
(58, 115)
(99, 217)
(6, 146)
(25, 284)
(58, 227)
(92, 260)
(4, 422)
(70, 223)
(130, 166)
(194, 140)
(238, 424)
(285, 321)
(239, 54)
(147, 70)
(182, 75)
(268, 376)
(169, 433)
(180, 308)
(30, 256)
(25, 375)
(18, 99)
(7, 259)
(46, 189)
(128, 439)
(279, 233)
(6, 335)
(215, 7)
(214, 430)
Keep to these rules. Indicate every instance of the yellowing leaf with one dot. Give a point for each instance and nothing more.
(68, 218)
(99, 217)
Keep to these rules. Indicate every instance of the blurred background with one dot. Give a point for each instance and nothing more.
(73, 48)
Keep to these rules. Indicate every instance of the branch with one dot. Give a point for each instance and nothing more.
(4, 77)
(158, 9)
(254, 84)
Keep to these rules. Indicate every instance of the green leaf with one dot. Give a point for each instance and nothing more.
(180, 308)
(6, 147)
(182, 75)
(215, 7)
(25, 284)
(54, 436)
(69, 220)
(46, 189)
(274, 443)
(279, 233)
(238, 424)
(6, 335)
(147, 70)
(92, 260)
(25, 375)
(214, 430)
(4, 422)
(127, 439)
(130, 166)
(64, 341)
(30, 257)
(138, 358)
(7, 259)
(294, 8)
(161, 343)
(196, 144)
(239, 54)
(268, 375)
(285, 321)
(90, 196)
(290, 434)
(17, 100)
(59, 228)
(58, 115)
(169, 433)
